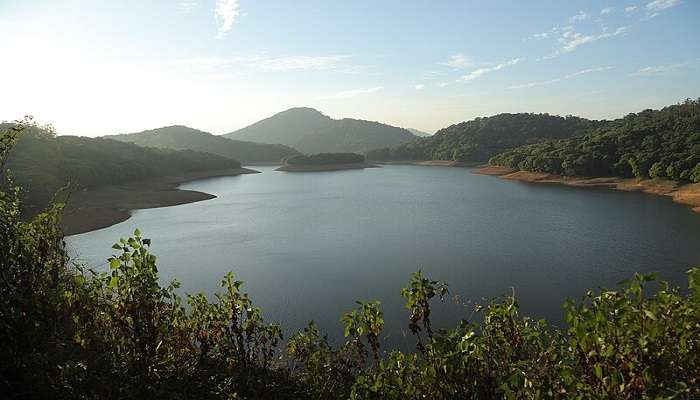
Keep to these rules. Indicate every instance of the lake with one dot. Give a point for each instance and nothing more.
(308, 245)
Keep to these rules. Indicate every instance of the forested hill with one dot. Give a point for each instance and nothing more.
(482, 138)
(325, 159)
(285, 127)
(184, 138)
(309, 131)
(42, 163)
(354, 136)
(653, 143)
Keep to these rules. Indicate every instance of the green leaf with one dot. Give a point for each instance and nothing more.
(650, 315)
(113, 282)
(598, 371)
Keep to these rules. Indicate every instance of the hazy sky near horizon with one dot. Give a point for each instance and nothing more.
(100, 67)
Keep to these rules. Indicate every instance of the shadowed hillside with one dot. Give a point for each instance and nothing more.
(42, 163)
(310, 131)
(180, 137)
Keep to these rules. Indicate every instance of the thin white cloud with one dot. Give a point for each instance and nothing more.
(419, 86)
(541, 35)
(188, 5)
(443, 84)
(478, 73)
(215, 61)
(350, 93)
(630, 9)
(226, 13)
(303, 62)
(663, 69)
(433, 75)
(458, 61)
(655, 7)
(607, 10)
(580, 16)
(571, 40)
(563, 78)
(313, 63)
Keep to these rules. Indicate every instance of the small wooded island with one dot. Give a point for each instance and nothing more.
(324, 162)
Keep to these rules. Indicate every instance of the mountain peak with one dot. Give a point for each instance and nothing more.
(301, 110)
(311, 131)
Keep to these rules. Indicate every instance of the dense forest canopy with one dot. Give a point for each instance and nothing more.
(482, 138)
(650, 144)
(42, 163)
(310, 131)
(325, 159)
(183, 138)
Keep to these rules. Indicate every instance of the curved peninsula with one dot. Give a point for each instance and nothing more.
(104, 206)
(102, 180)
(324, 162)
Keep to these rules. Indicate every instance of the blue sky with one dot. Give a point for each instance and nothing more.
(99, 67)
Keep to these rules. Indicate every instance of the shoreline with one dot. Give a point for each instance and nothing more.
(104, 206)
(326, 167)
(686, 194)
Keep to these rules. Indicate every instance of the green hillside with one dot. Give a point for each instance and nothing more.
(286, 127)
(653, 143)
(482, 138)
(353, 136)
(310, 131)
(42, 163)
(180, 137)
(325, 159)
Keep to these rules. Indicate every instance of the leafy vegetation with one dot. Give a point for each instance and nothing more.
(651, 144)
(325, 159)
(310, 131)
(42, 163)
(184, 138)
(482, 138)
(68, 331)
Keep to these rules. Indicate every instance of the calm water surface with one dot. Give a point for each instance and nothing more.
(308, 245)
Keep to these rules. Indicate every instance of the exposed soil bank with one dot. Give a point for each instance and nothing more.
(327, 167)
(688, 194)
(104, 206)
